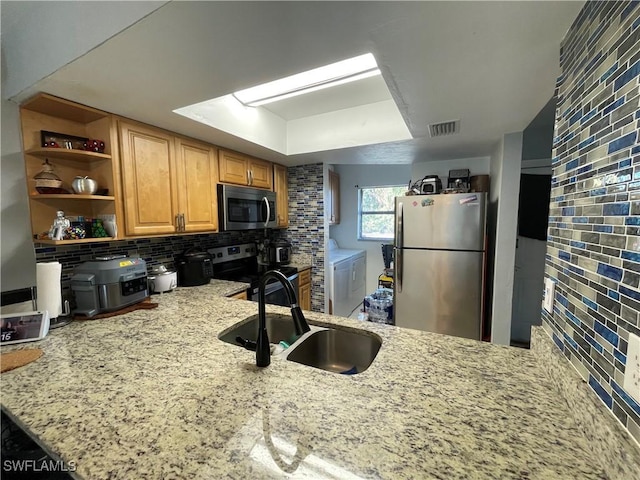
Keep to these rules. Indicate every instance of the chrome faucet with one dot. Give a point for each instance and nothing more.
(263, 351)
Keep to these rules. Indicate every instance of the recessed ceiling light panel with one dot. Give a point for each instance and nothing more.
(338, 73)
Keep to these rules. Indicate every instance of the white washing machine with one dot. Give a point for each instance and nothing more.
(347, 278)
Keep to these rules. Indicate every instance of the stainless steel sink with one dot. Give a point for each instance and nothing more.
(279, 327)
(336, 350)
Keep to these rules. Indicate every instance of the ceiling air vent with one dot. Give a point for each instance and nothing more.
(444, 128)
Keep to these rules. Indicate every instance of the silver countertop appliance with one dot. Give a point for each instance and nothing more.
(109, 283)
(279, 252)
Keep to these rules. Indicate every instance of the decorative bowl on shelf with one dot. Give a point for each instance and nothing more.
(84, 185)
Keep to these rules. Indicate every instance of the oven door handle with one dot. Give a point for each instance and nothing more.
(269, 288)
(266, 202)
(275, 286)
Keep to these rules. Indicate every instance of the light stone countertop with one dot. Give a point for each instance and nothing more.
(154, 394)
(301, 261)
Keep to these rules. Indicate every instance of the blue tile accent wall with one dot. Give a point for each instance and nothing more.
(593, 251)
(306, 223)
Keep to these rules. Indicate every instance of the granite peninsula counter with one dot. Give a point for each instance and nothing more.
(154, 394)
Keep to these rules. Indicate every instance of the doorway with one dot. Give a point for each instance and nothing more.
(531, 248)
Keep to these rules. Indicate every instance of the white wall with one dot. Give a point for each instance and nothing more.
(18, 269)
(29, 53)
(40, 37)
(505, 189)
(346, 233)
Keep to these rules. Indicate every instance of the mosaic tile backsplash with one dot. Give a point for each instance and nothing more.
(593, 251)
(306, 223)
(154, 251)
(305, 232)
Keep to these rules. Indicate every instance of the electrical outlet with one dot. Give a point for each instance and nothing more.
(632, 369)
(549, 292)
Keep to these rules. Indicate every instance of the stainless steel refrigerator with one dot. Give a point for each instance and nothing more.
(440, 259)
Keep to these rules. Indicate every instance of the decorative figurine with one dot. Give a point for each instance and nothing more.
(59, 227)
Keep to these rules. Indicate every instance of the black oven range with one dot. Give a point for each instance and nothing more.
(239, 263)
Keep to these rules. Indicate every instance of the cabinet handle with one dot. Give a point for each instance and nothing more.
(248, 177)
(177, 222)
(182, 224)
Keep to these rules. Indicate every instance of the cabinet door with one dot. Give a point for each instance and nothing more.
(305, 297)
(234, 168)
(240, 296)
(282, 194)
(334, 201)
(261, 175)
(304, 289)
(197, 178)
(148, 179)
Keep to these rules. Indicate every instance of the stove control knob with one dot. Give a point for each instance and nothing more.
(219, 255)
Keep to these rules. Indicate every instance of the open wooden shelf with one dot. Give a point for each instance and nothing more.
(67, 154)
(72, 242)
(70, 196)
(59, 107)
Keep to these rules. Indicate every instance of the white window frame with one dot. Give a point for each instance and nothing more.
(361, 212)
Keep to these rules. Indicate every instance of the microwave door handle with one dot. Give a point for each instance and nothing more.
(266, 202)
(399, 246)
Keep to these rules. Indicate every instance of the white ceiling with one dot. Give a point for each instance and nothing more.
(492, 65)
(348, 95)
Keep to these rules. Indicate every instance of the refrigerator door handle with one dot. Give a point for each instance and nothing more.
(399, 246)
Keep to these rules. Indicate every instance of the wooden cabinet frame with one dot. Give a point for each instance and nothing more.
(49, 113)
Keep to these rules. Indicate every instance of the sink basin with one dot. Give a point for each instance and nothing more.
(338, 351)
(279, 327)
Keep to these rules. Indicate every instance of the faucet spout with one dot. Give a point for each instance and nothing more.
(263, 351)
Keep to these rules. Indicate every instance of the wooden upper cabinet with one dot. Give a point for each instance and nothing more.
(148, 168)
(281, 187)
(234, 168)
(242, 169)
(261, 173)
(197, 176)
(334, 200)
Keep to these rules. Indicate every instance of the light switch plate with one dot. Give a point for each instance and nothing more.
(632, 368)
(549, 292)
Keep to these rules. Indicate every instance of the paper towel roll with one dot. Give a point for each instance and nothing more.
(49, 290)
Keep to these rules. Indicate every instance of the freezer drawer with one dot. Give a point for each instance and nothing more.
(440, 291)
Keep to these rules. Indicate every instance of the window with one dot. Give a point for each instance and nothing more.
(375, 211)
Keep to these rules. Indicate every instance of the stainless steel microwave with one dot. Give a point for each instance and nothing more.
(246, 208)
